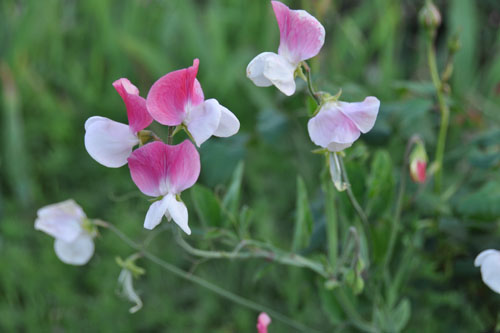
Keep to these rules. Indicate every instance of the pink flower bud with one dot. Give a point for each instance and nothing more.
(418, 163)
(262, 322)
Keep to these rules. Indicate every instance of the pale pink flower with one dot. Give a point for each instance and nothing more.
(177, 98)
(109, 142)
(301, 38)
(262, 322)
(489, 261)
(64, 221)
(338, 124)
(163, 171)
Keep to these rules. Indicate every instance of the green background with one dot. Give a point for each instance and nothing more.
(57, 62)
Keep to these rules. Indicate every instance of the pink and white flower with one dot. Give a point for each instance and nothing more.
(262, 322)
(163, 171)
(338, 124)
(177, 98)
(489, 261)
(109, 142)
(64, 221)
(301, 38)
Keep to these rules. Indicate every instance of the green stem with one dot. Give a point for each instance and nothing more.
(201, 282)
(444, 110)
(309, 83)
(351, 312)
(275, 255)
(350, 194)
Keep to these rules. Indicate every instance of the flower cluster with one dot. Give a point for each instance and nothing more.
(160, 170)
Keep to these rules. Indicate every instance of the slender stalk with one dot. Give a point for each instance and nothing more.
(309, 83)
(201, 282)
(275, 255)
(444, 110)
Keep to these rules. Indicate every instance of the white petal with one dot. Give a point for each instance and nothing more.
(109, 142)
(61, 220)
(335, 146)
(270, 68)
(203, 120)
(178, 211)
(155, 213)
(125, 280)
(489, 261)
(336, 173)
(228, 124)
(77, 252)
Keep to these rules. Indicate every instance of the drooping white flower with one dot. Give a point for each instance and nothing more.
(489, 261)
(64, 221)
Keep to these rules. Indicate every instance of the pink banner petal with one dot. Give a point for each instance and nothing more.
(173, 93)
(137, 113)
(301, 34)
(158, 169)
(363, 114)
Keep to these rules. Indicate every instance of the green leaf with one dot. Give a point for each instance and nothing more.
(303, 218)
(380, 183)
(231, 200)
(401, 315)
(482, 204)
(207, 206)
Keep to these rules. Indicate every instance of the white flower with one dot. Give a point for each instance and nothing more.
(74, 245)
(489, 261)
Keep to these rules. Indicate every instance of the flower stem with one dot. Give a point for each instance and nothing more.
(444, 110)
(309, 83)
(201, 282)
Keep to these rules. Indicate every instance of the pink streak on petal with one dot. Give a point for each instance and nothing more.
(301, 34)
(158, 169)
(330, 125)
(363, 114)
(137, 113)
(262, 322)
(171, 94)
(421, 171)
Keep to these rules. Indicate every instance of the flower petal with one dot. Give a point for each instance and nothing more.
(262, 322)
(228, 125)
(61, 220)
(77, 252)
(155, 213)
(270, 68)
(158, 169)
(109, 142)
(178, 212)
(363, 114)
(301, 34)
(336, 173)
(137, 113)
(331, 129)
(489, 261)
(169, 97)
(203, 120)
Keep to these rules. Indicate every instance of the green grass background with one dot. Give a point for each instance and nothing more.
(57, 62)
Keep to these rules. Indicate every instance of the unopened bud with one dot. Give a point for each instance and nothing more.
(430, 17)
(418, 163)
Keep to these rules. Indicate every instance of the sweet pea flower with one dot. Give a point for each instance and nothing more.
(163, 171)
(262, 322)
(338, 124)
(177, 98)
(301, 38)
(64, 221)
(489, 261)
(109, 142)
(418, 163)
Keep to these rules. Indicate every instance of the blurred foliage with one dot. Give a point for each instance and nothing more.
(57, 62)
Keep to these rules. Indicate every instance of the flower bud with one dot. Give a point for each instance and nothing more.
(418, 163)
(430, 17)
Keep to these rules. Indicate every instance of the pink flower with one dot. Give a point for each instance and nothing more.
(177, 98)
(109, 142)
(262, 322)
(301, 38)
(418, 163)
(164, 171)
(338, 124)
(64, 221)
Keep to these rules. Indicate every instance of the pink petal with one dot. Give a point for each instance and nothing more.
(301, 34)
(173, 93)
(262, 322)
(363, 114)
(330, 127)
(137, 113)
(158, 169)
